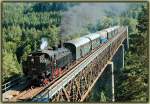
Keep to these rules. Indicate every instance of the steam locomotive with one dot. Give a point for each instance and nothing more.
(50, 63)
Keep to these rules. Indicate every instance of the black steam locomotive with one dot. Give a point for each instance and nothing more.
(48, 63)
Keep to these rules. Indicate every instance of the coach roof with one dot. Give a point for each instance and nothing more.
(92, 36)
(79, 41)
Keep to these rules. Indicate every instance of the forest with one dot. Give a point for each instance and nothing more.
(24, 24)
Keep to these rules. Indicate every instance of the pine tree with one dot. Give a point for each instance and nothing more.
(134, 82)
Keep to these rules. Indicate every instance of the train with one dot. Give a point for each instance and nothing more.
(51, 63)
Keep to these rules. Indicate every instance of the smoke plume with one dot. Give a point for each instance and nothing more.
(44, 43)
(78, 17)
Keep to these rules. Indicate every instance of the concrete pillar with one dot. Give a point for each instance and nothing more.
(127, 38)
(123, 56)
(111, 64)
(126, 42)
(118, 58)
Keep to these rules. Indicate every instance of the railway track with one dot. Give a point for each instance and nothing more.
(59, 82)
(28, 94)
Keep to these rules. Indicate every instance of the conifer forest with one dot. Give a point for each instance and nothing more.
(24, 24)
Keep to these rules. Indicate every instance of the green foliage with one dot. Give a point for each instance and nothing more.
(53, 35)
(27, 50)
(133, 84)
(10, 65)
(104, 23)
(23, 26)
(103, 97)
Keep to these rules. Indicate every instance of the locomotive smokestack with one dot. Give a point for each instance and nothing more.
(44, 43)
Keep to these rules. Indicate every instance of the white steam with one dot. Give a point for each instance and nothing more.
(78, 17)
(44, 43)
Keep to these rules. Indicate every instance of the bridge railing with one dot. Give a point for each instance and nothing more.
(8, 85)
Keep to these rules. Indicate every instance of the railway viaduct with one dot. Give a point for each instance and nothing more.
(78, 83)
